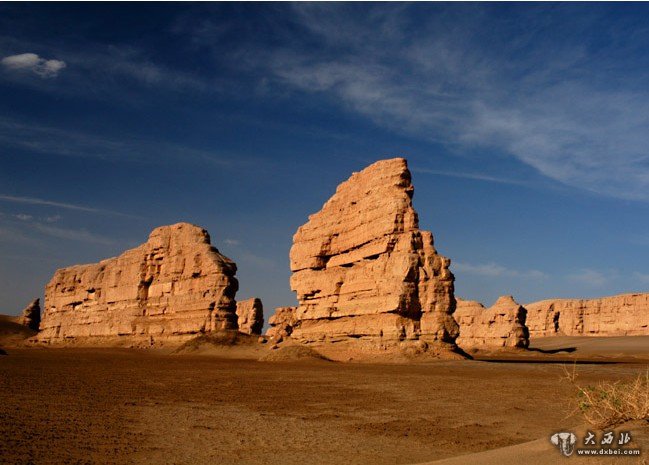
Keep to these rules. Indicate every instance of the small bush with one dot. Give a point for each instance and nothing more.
(608, 403)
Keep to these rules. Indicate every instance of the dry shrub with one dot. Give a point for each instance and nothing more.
(610, 403)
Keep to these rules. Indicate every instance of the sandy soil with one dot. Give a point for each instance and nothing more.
(82, 406)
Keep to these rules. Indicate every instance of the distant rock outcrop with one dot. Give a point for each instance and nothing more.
(281, 323)
(250, 316)
(13, 333)
(501, 325)
(362, 268)
(175, 284)
(31, 315)
(620, 315)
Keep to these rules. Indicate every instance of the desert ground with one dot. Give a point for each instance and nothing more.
(92, 406)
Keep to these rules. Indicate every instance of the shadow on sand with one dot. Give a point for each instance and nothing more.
(568, 350)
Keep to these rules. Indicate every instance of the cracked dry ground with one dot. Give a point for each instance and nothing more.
(76, 406)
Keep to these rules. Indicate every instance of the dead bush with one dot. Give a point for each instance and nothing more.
(610, 403)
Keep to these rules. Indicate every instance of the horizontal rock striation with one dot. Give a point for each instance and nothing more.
(501, 325)
(250, 316)
(361, 268)
(174, 284)
(620, 315)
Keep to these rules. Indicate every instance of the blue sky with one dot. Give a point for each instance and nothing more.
(525, 126)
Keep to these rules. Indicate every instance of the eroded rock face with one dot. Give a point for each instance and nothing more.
(363, 269)
(281, 323)
(250, 316)
(501, 325)
(31, 315)
(620, 315)
(174, 284)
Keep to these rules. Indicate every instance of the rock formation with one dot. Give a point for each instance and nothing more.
(31, 315)
(501, 325)
(363, 269)
(620, 315)
(175, 284)
(281, 323)
(250, 316)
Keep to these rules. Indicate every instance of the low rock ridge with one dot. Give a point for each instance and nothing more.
(174, 284)
(620, 315)
(362, 268)
(501, 325)
(281, 323)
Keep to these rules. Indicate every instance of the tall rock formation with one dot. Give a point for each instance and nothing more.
(620, 315)
(363, 269)
(174, 284)
(501, 325)
(31, 315)
(250, 316)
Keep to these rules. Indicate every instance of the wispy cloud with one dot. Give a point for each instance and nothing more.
(573, 109)
(549, 94)
(52, 218)
(31, 62)
(10, 234)
(82, 235)
(642, 277)
(96, 70)
(56, 141)
(493, 270)
(256, 261)
(248, 258)
(133, 64)
(473, 176)
(51, 203)
(593, 278)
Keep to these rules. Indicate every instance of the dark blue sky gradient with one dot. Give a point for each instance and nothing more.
(525, 126)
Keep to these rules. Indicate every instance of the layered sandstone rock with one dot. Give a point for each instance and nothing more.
(250, 316)
(363, 269)
(620, 315)
(501, 325)
(174, 284)
(31, 315)
(281, 323)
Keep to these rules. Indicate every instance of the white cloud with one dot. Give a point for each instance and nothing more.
(233, 242)
(493, 270)
(32, 62)
(593, 278)
(24, 217)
